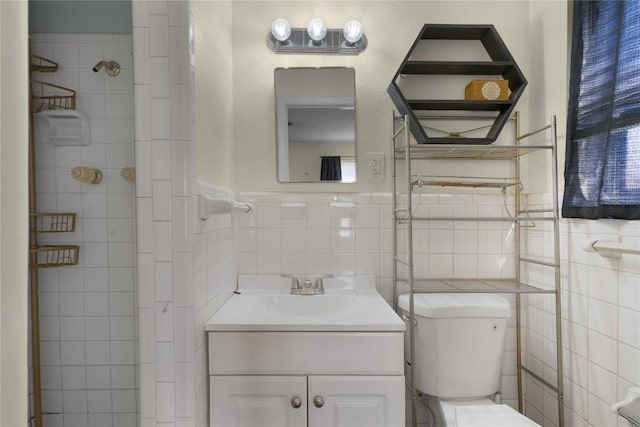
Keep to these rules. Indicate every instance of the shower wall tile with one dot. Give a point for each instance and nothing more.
(88, 311)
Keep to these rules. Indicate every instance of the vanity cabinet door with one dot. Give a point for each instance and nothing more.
(356, 401)
(258, 401)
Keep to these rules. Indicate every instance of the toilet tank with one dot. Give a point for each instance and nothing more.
(459, 342)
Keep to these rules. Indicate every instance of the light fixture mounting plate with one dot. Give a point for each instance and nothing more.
(300, 43)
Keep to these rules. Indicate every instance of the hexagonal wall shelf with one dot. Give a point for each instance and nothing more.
(501, 64)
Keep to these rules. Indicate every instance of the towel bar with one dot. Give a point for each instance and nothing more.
(623, 409)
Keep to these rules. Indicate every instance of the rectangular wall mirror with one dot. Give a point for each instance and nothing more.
(315, 124)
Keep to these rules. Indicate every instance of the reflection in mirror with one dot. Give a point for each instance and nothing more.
(315, 124)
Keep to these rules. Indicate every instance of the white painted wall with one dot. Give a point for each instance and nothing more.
(214, 92)
(549, 45)
(390, 26)
(13, 213)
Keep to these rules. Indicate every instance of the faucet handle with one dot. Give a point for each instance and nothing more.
(318, 288)
(295, 283)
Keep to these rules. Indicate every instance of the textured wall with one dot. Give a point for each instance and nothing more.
(214, 92)
(390, 26)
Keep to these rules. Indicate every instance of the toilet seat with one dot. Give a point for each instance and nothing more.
(482, 413)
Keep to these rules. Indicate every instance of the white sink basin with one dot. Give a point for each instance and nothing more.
(264, 303)
(306, 305)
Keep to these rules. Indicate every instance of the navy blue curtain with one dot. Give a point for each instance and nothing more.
(602, 168)
(331, 169)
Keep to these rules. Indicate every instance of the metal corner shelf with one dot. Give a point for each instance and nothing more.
(405, 152)
(54, 222)
(54, 256)
(43, 96)
(43, 65)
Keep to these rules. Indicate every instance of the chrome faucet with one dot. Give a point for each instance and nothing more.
(307, 287)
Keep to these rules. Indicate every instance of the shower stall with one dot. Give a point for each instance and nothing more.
(82, 216)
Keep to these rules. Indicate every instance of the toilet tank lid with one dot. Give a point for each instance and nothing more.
(448, 306)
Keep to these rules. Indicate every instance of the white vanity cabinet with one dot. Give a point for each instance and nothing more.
(333, 360)
(298, 401)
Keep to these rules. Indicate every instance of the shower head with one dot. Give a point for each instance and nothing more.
(112, 68)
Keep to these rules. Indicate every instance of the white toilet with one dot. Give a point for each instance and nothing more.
(459, 343)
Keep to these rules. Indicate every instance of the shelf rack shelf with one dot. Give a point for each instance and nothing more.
(54, 256)
(499, 286)
(499, 63)
(468, 152)
(54, 222)
(407, 153)
(49, 96)
(462, 184)
(43, 65)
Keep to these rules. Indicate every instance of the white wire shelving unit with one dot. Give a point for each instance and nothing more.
(405, 155)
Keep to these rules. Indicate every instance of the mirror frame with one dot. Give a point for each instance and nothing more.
(282, 104)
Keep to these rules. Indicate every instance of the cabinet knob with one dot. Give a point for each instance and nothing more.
(296, 402)
(318, 401)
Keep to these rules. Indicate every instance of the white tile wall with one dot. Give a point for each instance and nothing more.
(601, 311)
(322, 233)
(601, 299)
(186, 267)
(88, 312)
(345, 234)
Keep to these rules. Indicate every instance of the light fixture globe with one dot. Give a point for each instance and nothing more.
(281, 30)
(352, 31)
(317, 30)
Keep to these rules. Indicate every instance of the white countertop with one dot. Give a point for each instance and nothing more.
(264, 303)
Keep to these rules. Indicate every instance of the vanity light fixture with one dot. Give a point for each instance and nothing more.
(317, 31)
(317, 38)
